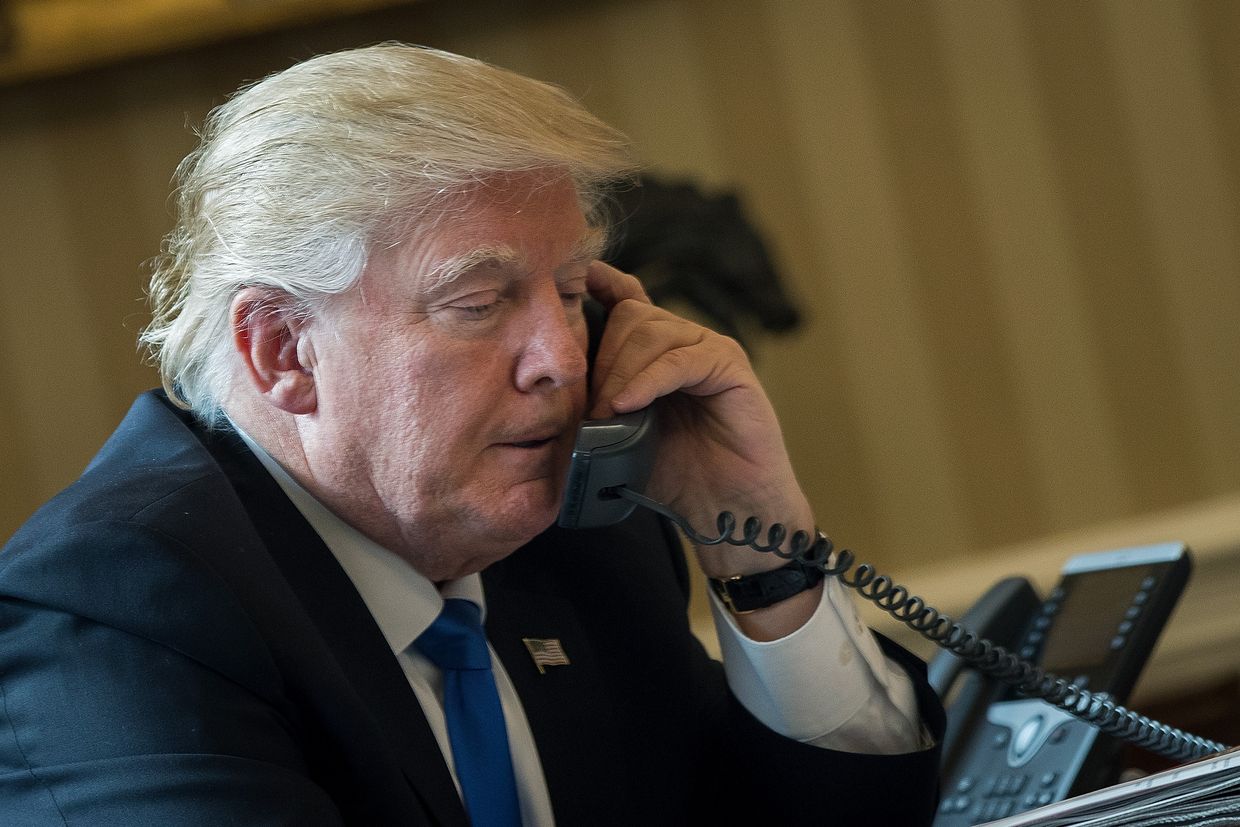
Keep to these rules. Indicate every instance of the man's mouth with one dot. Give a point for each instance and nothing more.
(535, 438)
(532, 443)
(533, 435)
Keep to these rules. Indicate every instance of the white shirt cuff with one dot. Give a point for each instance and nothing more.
(827, 684)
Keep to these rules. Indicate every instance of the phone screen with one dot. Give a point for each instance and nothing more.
(1087, 622)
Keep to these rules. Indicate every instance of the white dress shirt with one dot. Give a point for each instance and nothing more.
(827, 684)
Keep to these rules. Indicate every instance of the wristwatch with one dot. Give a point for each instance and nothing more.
(744, 593)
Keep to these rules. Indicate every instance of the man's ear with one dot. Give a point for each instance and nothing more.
(271, 336)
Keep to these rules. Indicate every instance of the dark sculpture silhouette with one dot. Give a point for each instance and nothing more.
(700, 249)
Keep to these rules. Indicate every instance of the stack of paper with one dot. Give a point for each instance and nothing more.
(1205, 793)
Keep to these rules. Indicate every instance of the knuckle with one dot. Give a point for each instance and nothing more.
(732, 347)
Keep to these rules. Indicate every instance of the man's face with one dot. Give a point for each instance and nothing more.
(450, 382)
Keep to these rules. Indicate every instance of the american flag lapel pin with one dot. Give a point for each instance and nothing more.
(545, 652)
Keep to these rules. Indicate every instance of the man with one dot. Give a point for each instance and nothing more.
(369, 321)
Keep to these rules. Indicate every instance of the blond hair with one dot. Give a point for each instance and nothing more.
(298, 176)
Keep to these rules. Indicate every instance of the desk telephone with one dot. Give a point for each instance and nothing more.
(1037, 684)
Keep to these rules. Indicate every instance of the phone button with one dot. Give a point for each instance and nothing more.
(1031, 723)
(1027, 736)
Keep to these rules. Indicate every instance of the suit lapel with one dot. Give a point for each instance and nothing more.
(566, 706)
(369, 675)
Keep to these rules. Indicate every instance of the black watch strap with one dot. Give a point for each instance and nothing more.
(750, 592)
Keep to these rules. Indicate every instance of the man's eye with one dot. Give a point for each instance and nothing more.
(572, 299)
(475, 311)
(475, 306)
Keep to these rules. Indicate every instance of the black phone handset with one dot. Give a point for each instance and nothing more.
(609, 454)
(612, 460)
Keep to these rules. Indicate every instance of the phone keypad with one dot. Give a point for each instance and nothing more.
(986, 798)
(1031, 754)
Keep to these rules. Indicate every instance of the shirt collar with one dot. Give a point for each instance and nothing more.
(403, 602)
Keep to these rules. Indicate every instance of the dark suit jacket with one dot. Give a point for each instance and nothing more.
(177, 646)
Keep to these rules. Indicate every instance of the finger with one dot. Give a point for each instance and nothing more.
(698, 369)
(651, 353)
(636, 336)
(610, 286)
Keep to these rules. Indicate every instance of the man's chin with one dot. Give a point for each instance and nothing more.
(524, 514)
(484, 536)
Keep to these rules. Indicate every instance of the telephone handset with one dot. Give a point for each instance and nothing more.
(609, 454)
(1097, 628)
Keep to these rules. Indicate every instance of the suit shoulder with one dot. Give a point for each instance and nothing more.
(134, 577)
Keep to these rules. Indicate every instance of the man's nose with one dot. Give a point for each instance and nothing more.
(552, 353)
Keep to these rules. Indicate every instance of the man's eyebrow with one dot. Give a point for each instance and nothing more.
(451, 269)
(589, 247)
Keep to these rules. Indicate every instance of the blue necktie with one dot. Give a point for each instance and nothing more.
(456, 644)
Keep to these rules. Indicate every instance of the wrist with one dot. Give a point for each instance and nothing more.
(747, 593)
(779, 620)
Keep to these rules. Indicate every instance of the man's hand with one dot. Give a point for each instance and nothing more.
(720, 443)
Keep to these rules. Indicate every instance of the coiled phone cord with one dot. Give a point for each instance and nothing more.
(988, 658)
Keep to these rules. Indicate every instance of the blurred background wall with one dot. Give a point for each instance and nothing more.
(1013, 228)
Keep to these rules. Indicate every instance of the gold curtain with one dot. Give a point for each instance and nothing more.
(1012, 225)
